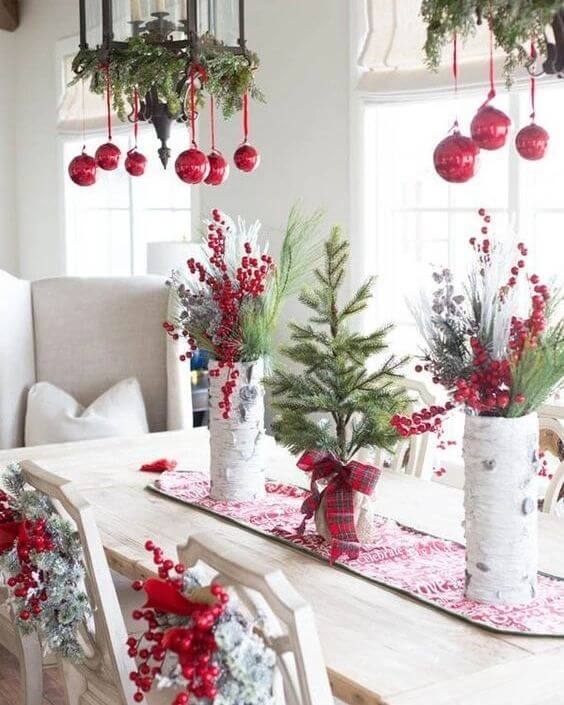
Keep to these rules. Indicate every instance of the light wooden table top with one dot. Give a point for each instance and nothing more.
(380, 647)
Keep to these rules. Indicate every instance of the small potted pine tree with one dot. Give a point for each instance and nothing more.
(334, 406)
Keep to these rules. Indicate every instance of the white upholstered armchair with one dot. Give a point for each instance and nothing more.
(84, 335)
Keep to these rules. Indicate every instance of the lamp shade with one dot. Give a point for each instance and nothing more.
(163, 257)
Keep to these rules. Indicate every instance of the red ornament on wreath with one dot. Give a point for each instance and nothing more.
(82, 170)
(532, 142)
(219, 169)
(456, 158)
(489, 128)
(192, 166)
(107, 156)
(135, 163)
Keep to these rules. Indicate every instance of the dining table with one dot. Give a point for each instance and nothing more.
(381, 647)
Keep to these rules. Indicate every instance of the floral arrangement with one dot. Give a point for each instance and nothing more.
(142, 66)
(42, 565)
(514, 25)
(229, 302)
(492, 344)
(197, 642)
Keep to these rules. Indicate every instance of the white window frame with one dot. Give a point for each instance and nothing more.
(63, 49)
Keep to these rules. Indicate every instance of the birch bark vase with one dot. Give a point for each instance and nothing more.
(237, 467)
(500, 504)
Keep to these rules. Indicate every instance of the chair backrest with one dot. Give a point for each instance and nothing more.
(289, 625)
(91, 333)
(551, 419)
(17, 364)
(106, 666)
(412, 455)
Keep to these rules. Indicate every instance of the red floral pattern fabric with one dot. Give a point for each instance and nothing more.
(428, 568)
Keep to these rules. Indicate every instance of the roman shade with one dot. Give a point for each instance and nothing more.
(393, 60)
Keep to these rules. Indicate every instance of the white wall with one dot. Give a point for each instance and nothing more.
(8, 233)
(302, 131)
(39, 180)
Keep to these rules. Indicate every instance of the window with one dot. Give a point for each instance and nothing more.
(413, 218)
(108, 225)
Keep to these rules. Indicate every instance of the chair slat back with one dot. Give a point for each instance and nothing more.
(413, 455)
(106, 660)
(551, 418)
(289, 626)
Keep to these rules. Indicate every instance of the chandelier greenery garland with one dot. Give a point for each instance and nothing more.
(44, 569)
(515, 25)
(143, 66)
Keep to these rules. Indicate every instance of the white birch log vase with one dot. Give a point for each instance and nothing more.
(237, 462)
(500, 504)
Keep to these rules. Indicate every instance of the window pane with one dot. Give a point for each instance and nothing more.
(109, 224)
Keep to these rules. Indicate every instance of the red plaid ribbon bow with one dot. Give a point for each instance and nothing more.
(9, 532)
(343, 480)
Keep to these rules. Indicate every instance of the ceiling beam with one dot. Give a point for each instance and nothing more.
(9, 15)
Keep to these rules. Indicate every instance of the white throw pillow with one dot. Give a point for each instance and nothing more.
(53, 416)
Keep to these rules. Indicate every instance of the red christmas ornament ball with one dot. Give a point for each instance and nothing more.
(490, 127)
(135, 163)
(219, 169)
(247, 158)
(192, 166)
(456, 158)
(107, 156)
(82, 170)
(532, 142)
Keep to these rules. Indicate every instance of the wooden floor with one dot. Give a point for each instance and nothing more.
(10, 693)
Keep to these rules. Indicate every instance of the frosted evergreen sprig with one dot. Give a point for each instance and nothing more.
(245, 660)
(58, 573)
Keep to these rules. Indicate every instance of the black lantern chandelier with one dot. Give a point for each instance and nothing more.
(553, 65)
(183, 29)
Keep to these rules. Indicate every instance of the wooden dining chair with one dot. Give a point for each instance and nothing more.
(551, 426)
(102, 678)
(413, 455)
(289, 626)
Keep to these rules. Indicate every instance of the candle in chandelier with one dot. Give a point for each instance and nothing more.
(135, 6)
(161, 5)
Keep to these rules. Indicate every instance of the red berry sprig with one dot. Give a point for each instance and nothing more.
(193, 644)
(229, 290)
(29, 585)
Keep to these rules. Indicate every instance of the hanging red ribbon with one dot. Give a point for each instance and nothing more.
(135, 116)
(196, 71)
(342, 481)
(212, 118)
(245, 117)
(455, 75)
(491, 93)
(9, 532)
(533, 83)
